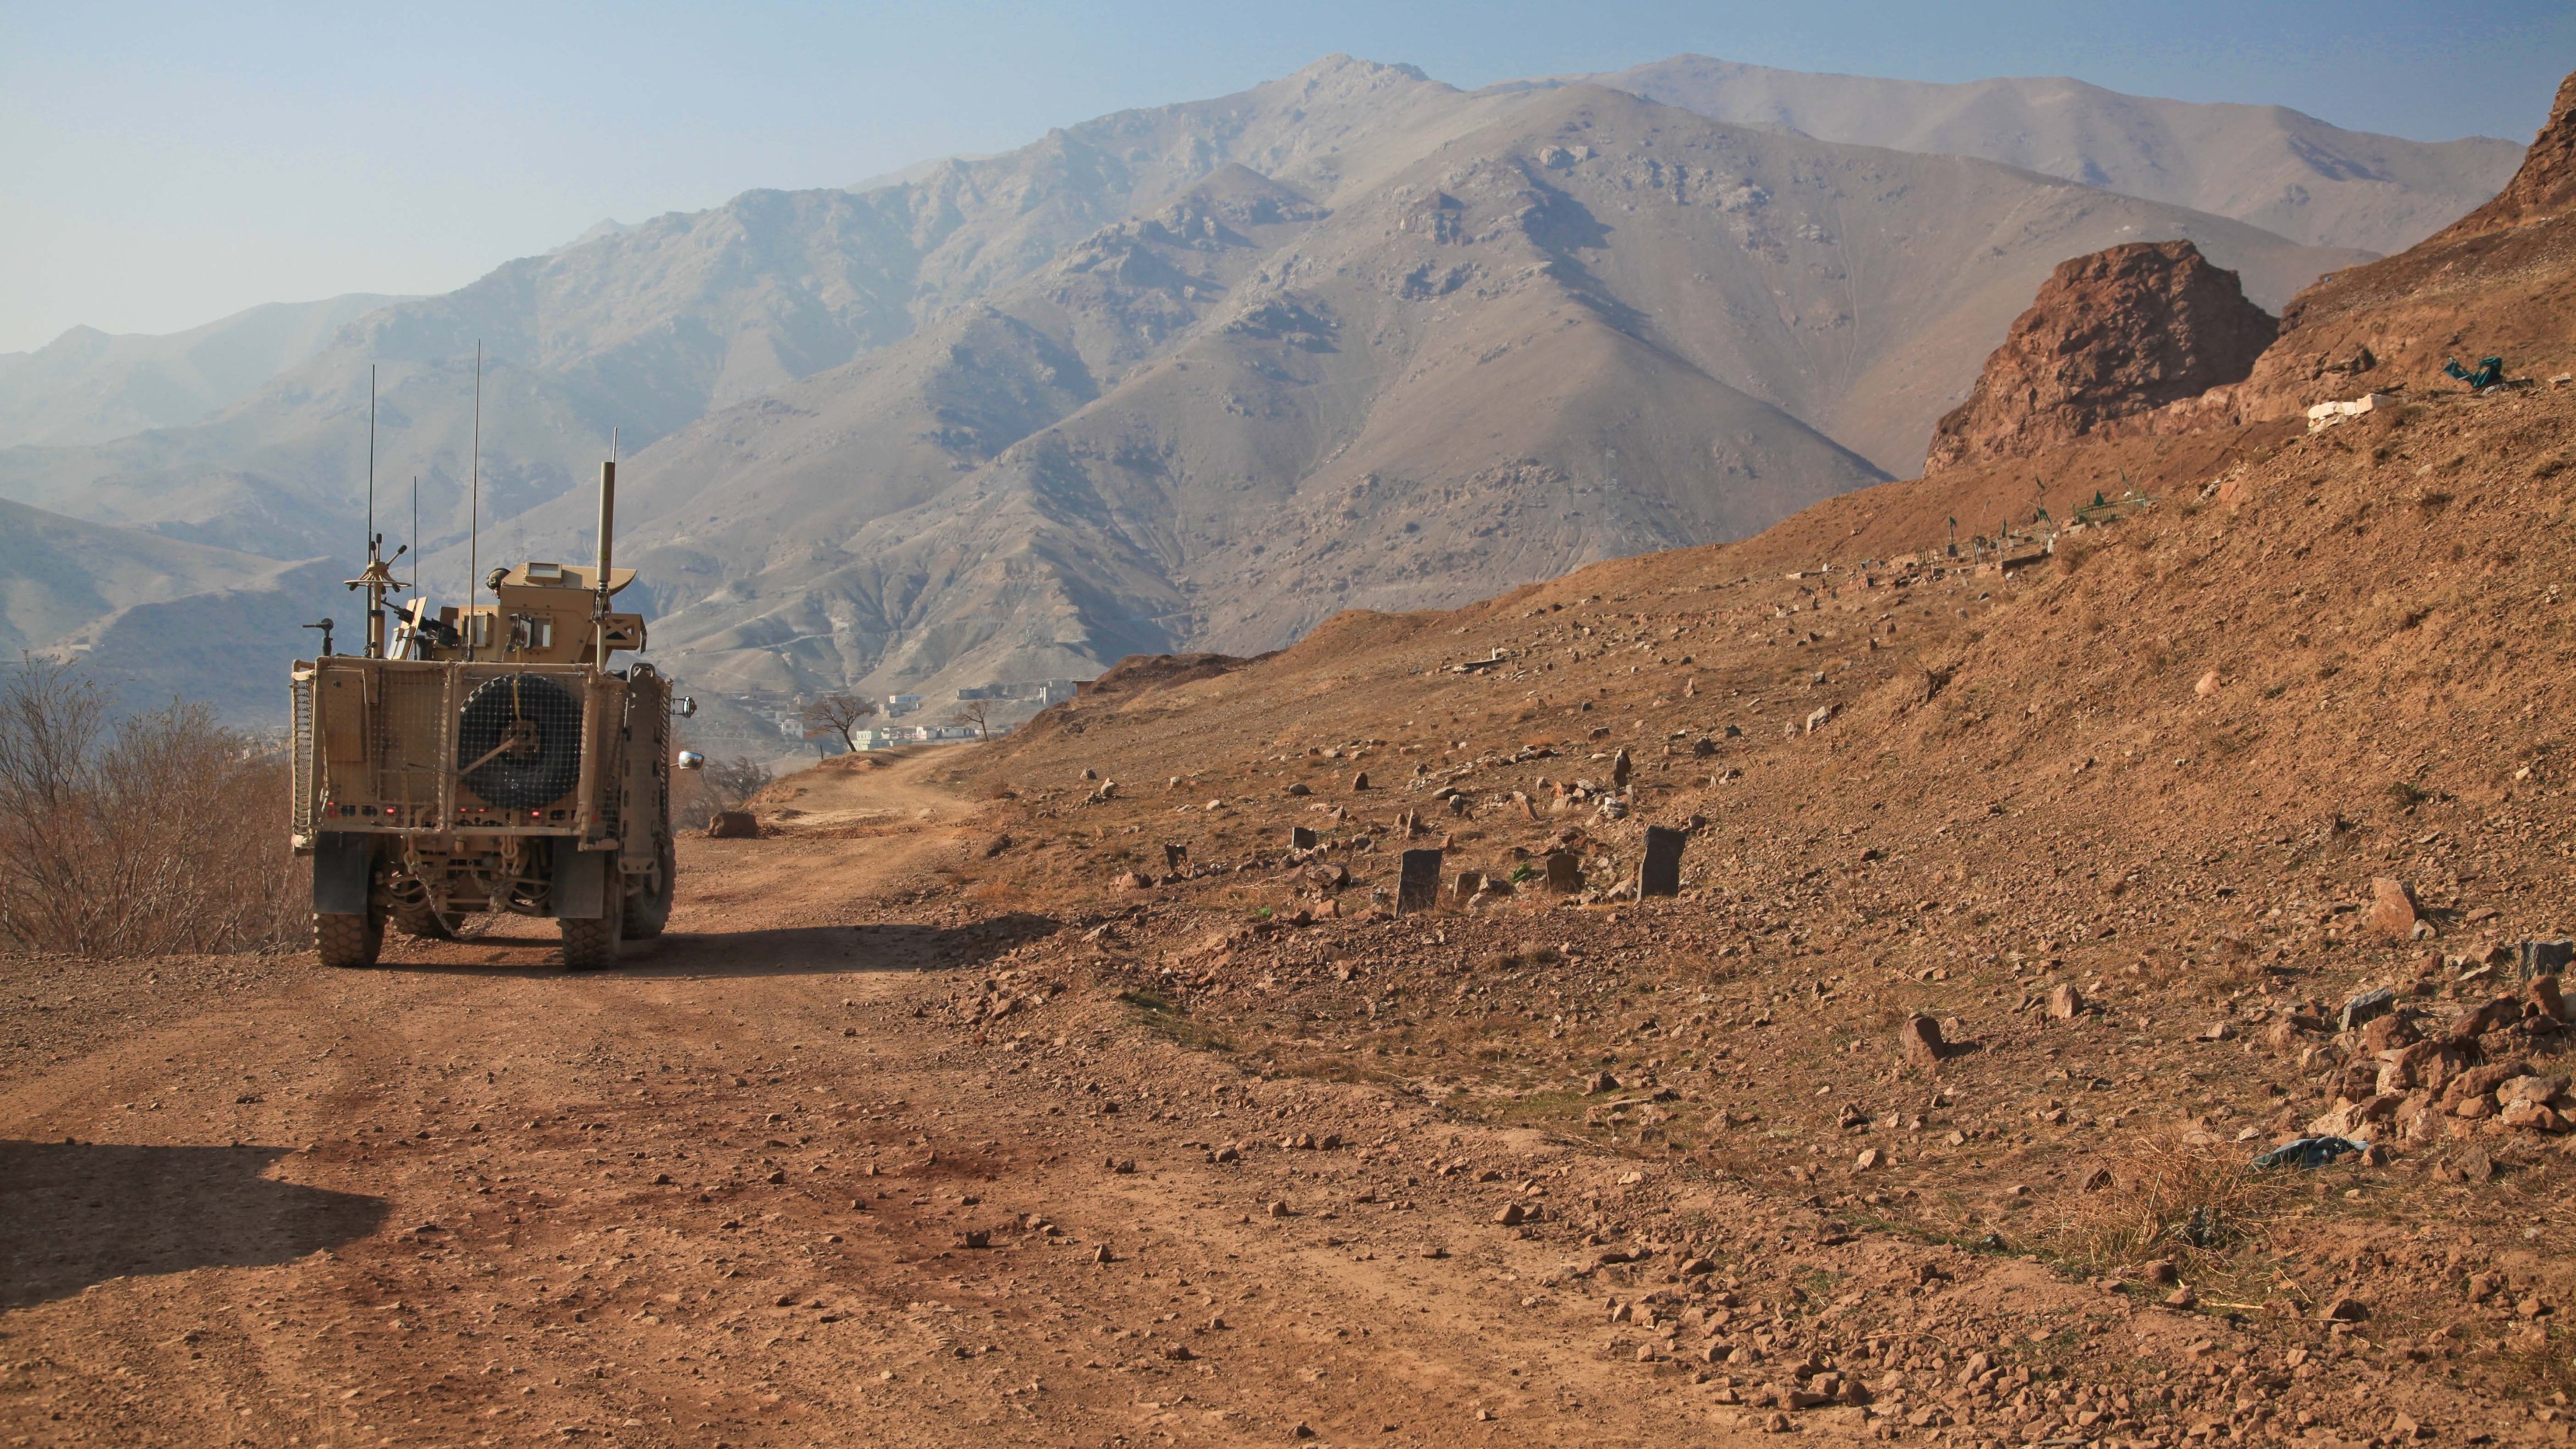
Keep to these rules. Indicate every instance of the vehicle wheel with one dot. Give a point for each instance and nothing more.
(348, 942)
(592, 945)
(648, 909)
(422, 921)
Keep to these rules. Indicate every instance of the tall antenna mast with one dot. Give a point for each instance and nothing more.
(474, 511)
(607, 531)
(377, 578)
(415, 535)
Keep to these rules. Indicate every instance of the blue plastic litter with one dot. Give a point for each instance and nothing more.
(2490, 372)
(2309, 1152)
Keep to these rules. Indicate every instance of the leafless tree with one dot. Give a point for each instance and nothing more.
(978, 713)
(837, 714)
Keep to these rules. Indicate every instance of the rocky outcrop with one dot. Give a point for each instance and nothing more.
(2111, 335)
(2543, 188)
(2499, 282)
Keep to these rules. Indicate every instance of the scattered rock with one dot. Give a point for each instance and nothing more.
(2066, 1003)
(1920, 1039)
(2392, 909)
(2367, 1005)
(733, 825)
(2545, 995)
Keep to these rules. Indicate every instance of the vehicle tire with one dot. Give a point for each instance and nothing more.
(347, 943)
(592, 945)
(648, 909)
(539, 721)
(423, 922)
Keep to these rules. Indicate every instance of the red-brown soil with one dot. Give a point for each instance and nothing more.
(975, 1101)
(904, 1015)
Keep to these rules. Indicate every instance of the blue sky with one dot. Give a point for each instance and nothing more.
(162, 165)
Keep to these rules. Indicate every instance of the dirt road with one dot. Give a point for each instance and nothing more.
(748, 1189)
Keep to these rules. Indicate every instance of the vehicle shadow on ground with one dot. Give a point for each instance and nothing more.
(74, 1215)
(783, 951)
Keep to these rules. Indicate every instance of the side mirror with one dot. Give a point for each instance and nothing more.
(692, 760)
(688, 707)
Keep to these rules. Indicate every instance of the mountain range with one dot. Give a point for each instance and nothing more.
(1199, 375)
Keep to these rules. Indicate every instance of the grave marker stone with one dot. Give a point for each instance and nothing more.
(1564, 873)
(1661, 875)
(1418, 882)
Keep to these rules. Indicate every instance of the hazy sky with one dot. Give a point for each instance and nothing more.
(164, 164)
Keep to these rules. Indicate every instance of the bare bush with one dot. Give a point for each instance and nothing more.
(718, 785)
(156, 834)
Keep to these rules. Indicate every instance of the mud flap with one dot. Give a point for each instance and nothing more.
(343, 867)
(581, 880)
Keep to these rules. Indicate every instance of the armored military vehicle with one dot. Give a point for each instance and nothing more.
(486, 758)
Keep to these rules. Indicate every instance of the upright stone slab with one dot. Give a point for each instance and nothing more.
(2547, 958)
(1464, 888)
(1418, 885)
(1661, 875)
(1300, 838)
(1564, 872)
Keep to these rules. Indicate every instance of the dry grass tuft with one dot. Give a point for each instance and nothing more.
(2167, 1200)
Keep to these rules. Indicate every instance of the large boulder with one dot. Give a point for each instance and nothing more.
(2110, 335)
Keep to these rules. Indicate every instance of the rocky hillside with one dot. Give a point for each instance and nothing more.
(2021, 906)
(2111, 335)
(1579, 332)
(1010, 416)
(2502, 282)
(2266, 165)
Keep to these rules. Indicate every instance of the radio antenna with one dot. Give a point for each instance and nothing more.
(371, 458)
(474, 510)
(415, 535)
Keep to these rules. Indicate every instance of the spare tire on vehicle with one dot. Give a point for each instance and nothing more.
(518, 741)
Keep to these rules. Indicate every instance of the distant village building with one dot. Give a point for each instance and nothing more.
(1040, 692)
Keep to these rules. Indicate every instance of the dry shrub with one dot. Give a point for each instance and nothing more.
(2167, 1200)
(157, 834)
(697, 795)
